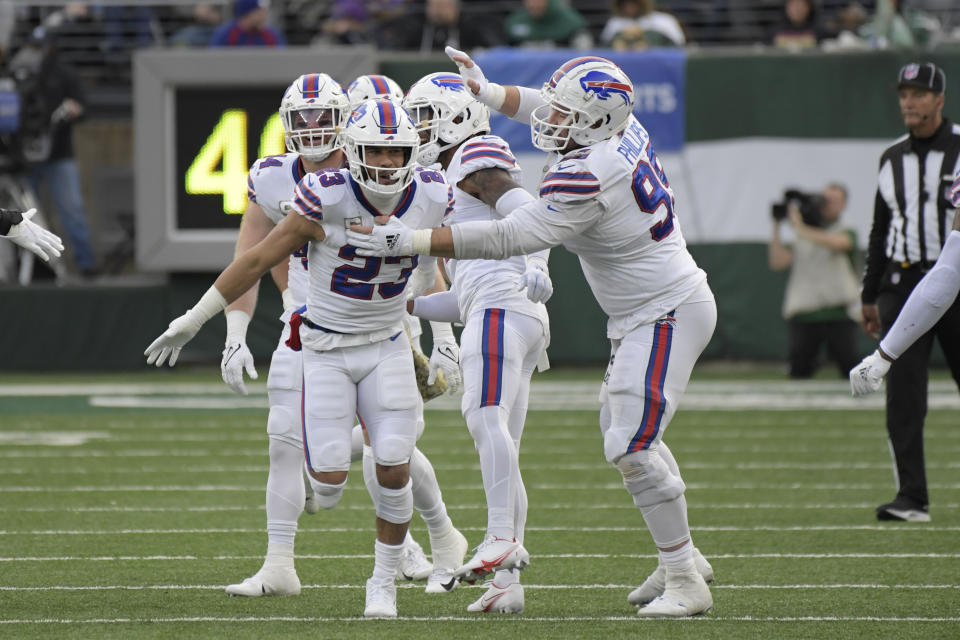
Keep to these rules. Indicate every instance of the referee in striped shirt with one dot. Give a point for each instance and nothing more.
(911, 220)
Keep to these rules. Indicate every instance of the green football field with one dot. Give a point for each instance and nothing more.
(128, 502)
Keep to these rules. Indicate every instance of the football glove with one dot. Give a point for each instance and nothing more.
(391, 239)
(488, 93)
(35, 238)
(536, 280)
(168, 345)
(445, 357)
(236, 355)
(421, 366)
(867, 376)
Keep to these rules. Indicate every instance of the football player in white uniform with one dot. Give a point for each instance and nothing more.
(928, 302)
(505, 333)
(605, 198)
(313, 112)
(356, 361)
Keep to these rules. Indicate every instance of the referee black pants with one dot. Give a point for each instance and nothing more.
(907, 380)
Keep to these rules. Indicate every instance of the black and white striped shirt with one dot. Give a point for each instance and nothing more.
(912, 212)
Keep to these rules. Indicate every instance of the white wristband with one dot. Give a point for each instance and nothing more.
(442, 331)
(513, 199)
(496, 95)
(237, 321)
(210, 304)
(288, 302)
(536, 262)
(422, 240)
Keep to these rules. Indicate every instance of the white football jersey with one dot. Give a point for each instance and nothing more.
(271, 184)
(611, 204)
(486, 284)
(354, 299)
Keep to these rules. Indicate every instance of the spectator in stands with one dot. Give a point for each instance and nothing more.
(636, 24)
(248, 28)
(52, 102)
(367, 21)
(799, 26)
(898, 25)
(547, 24)
(206, 16)
(823, 292)
(444, 25)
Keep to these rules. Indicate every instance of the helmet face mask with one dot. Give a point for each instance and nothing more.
(597, 98)
(313, 112)
(445, 113)
(374, 134)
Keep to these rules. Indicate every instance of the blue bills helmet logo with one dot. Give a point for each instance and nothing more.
(605, 86)
(358, 113)
(451, 82)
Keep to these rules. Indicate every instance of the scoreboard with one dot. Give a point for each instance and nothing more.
(201, 117)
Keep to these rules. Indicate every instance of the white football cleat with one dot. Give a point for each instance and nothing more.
(492, 555)
(686, 594)
(311, 505)
(448, 551)
(655, 583)
(269, 581)
(413, 563)
(381, 599)
(507, 599)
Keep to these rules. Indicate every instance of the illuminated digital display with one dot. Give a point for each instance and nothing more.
(219, 133)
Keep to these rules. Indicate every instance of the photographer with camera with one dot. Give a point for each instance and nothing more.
(51, 101)
(822, 295)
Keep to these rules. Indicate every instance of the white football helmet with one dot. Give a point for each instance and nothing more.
(595, 96)
(313, 111)
(373, 87)
(445, 113)
(381, 123)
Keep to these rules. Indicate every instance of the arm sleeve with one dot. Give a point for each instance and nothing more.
(438, 307)
(929, 300)
(529, 100)
(526, 229)
(876, 251)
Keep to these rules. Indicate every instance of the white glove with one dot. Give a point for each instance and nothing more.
(391, 239)
(236, 359)
(536, 281)
(445, 356)
(867, 376)
(171, 341)
(488, 93)
(35, 238)
(236, 355)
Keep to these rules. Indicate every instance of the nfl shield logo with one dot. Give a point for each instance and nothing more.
(911, 71)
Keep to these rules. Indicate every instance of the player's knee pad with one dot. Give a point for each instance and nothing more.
(284, 453)
(328, 495)
(667, 522)
(940, 286)
(648, 479)
(393, 449)
(395, 505)
(283, 421)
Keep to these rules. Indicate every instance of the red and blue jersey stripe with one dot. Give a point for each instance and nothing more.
(251, 190)
(492, 352)
(482, 149)
(654, 404)
(955, 191)
(580, 183)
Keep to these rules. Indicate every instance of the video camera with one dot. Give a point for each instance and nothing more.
(809, 204)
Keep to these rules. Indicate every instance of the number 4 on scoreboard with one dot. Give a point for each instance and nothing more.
(220, 167)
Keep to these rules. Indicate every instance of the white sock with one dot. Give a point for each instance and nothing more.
(285, 492)
(498, 467)
(279, 555)
(506, 577)
(386, 561)
(667, 522)
(427, 499)
(678, 560)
